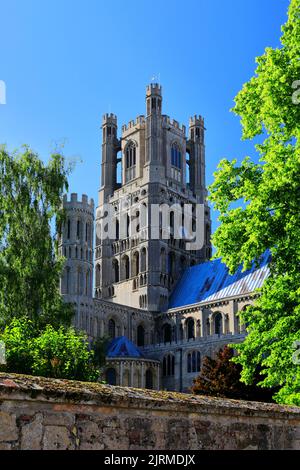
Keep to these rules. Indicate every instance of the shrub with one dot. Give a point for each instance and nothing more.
(60, 353)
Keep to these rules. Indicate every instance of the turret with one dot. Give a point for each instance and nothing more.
(110, 147)
(153, 99)
(196, 149)
(154, 137)
(76, 245)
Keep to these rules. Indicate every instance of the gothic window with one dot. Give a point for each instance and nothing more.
(136, 263)
(176, 162)
(190, 328)
(193, 361)
(116, 270)
(163, 260)
(143, 259)
(149, 379)
(167, 333)
(111, 329)
(111, 378)
(117, 229)
(69, 229)
(218, 323)
(125, 268)
(168, 365)
(78, 229)
(140, 336)
(130, 162)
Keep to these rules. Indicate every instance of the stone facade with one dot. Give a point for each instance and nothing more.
(38, 413)
(135, 274)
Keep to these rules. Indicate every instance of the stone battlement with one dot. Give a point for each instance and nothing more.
(153, 89)
(138, 121)
(196, 120)
(109, 118)
(173, 123)
(75, 203)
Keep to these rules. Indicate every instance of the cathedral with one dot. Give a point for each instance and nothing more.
(138, 266)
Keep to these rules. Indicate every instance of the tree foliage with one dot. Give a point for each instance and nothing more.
(221, 377)
(30, 198)
(267, 194)
(60, 353)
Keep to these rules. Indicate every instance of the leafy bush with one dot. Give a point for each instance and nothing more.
(60, 353)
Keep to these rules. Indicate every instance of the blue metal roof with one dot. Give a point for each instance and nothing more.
(122, 346)
(211, 281)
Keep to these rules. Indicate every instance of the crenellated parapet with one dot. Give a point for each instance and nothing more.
(196, 120)
(139, 121)
(74, 203)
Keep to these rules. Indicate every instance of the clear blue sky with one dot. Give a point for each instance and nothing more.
(67, 62)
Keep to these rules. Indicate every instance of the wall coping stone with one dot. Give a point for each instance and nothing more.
(17, 387)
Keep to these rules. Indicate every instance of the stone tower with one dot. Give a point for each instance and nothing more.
(76, 245)
(140, 257)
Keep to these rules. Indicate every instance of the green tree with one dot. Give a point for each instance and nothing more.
(220, 377)
(267, 194)
(60, 353)
(30, 199)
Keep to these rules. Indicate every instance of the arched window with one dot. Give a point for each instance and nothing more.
(218, 323)
(176, 162)
(190, 328)
(125, 267)
(78, 229)
(149, 379)
(168, 365)
(127, 226)
(193, 361)
(130, 162)
(111, 329)
(111, 378)
(167, 333)
(143, 259)
(140, 336)
(69, 229)
(136, 263)
(115, 264)
(117, 229)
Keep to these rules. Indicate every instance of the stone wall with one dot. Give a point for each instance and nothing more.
(39, 413)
